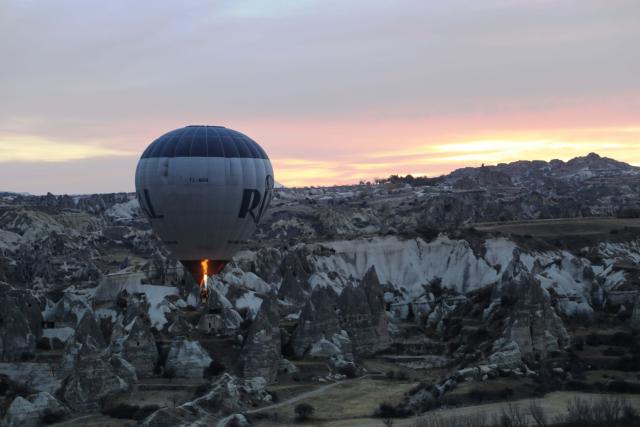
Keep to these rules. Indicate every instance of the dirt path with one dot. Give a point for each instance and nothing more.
(302, 396)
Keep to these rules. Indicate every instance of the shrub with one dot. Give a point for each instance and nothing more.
(349, 370)
(402, 376)
(387, 410)
(303, 411)
(122, 411)
(51, 417)
(215, 368)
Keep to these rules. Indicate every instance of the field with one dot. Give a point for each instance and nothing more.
(593, 226)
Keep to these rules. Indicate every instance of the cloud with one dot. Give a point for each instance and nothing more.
(38, 150)
(348, 90)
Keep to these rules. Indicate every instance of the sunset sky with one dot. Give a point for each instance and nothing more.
(334, 91)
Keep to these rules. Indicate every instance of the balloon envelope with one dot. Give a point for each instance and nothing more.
(204, 190)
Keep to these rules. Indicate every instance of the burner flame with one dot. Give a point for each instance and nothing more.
(204, 285)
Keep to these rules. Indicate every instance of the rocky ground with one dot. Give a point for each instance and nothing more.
(385, 299)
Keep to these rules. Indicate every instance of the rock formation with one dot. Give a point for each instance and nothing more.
(20, 324)
(319, 319)
(34, 410)
(87, 326)
(186, 359)
(295, 278)
(261, 351)
(533, 323)
(228, 395)
(136, 344)
(96, 376)
(363, 316)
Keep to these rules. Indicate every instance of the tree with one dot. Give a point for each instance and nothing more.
(303, 411)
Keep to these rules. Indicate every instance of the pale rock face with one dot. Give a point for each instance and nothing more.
(343, 342)
(187, 359)
(407, 264)
(287, 366)
(22, 413)
(507, 356)
(324, 348)
(32, 410)
(231, 320)
(337, 350)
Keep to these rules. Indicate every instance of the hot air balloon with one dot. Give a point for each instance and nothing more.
(204, 189)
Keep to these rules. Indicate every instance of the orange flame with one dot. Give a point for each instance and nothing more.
(205, 270)
(204, 291)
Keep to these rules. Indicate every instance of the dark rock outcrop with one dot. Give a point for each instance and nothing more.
(20, 324)
(319, 319)
(295, 278)
(95, 376)
(532, 323)
(137, 345)
(87, 326)
(363, 316)
(261, 351)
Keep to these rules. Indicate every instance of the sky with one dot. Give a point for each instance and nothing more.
(334, 91)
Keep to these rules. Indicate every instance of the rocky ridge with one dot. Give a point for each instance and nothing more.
(336, 275)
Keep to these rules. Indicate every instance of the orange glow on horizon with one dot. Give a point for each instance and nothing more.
(436, 158)
(345, 150)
